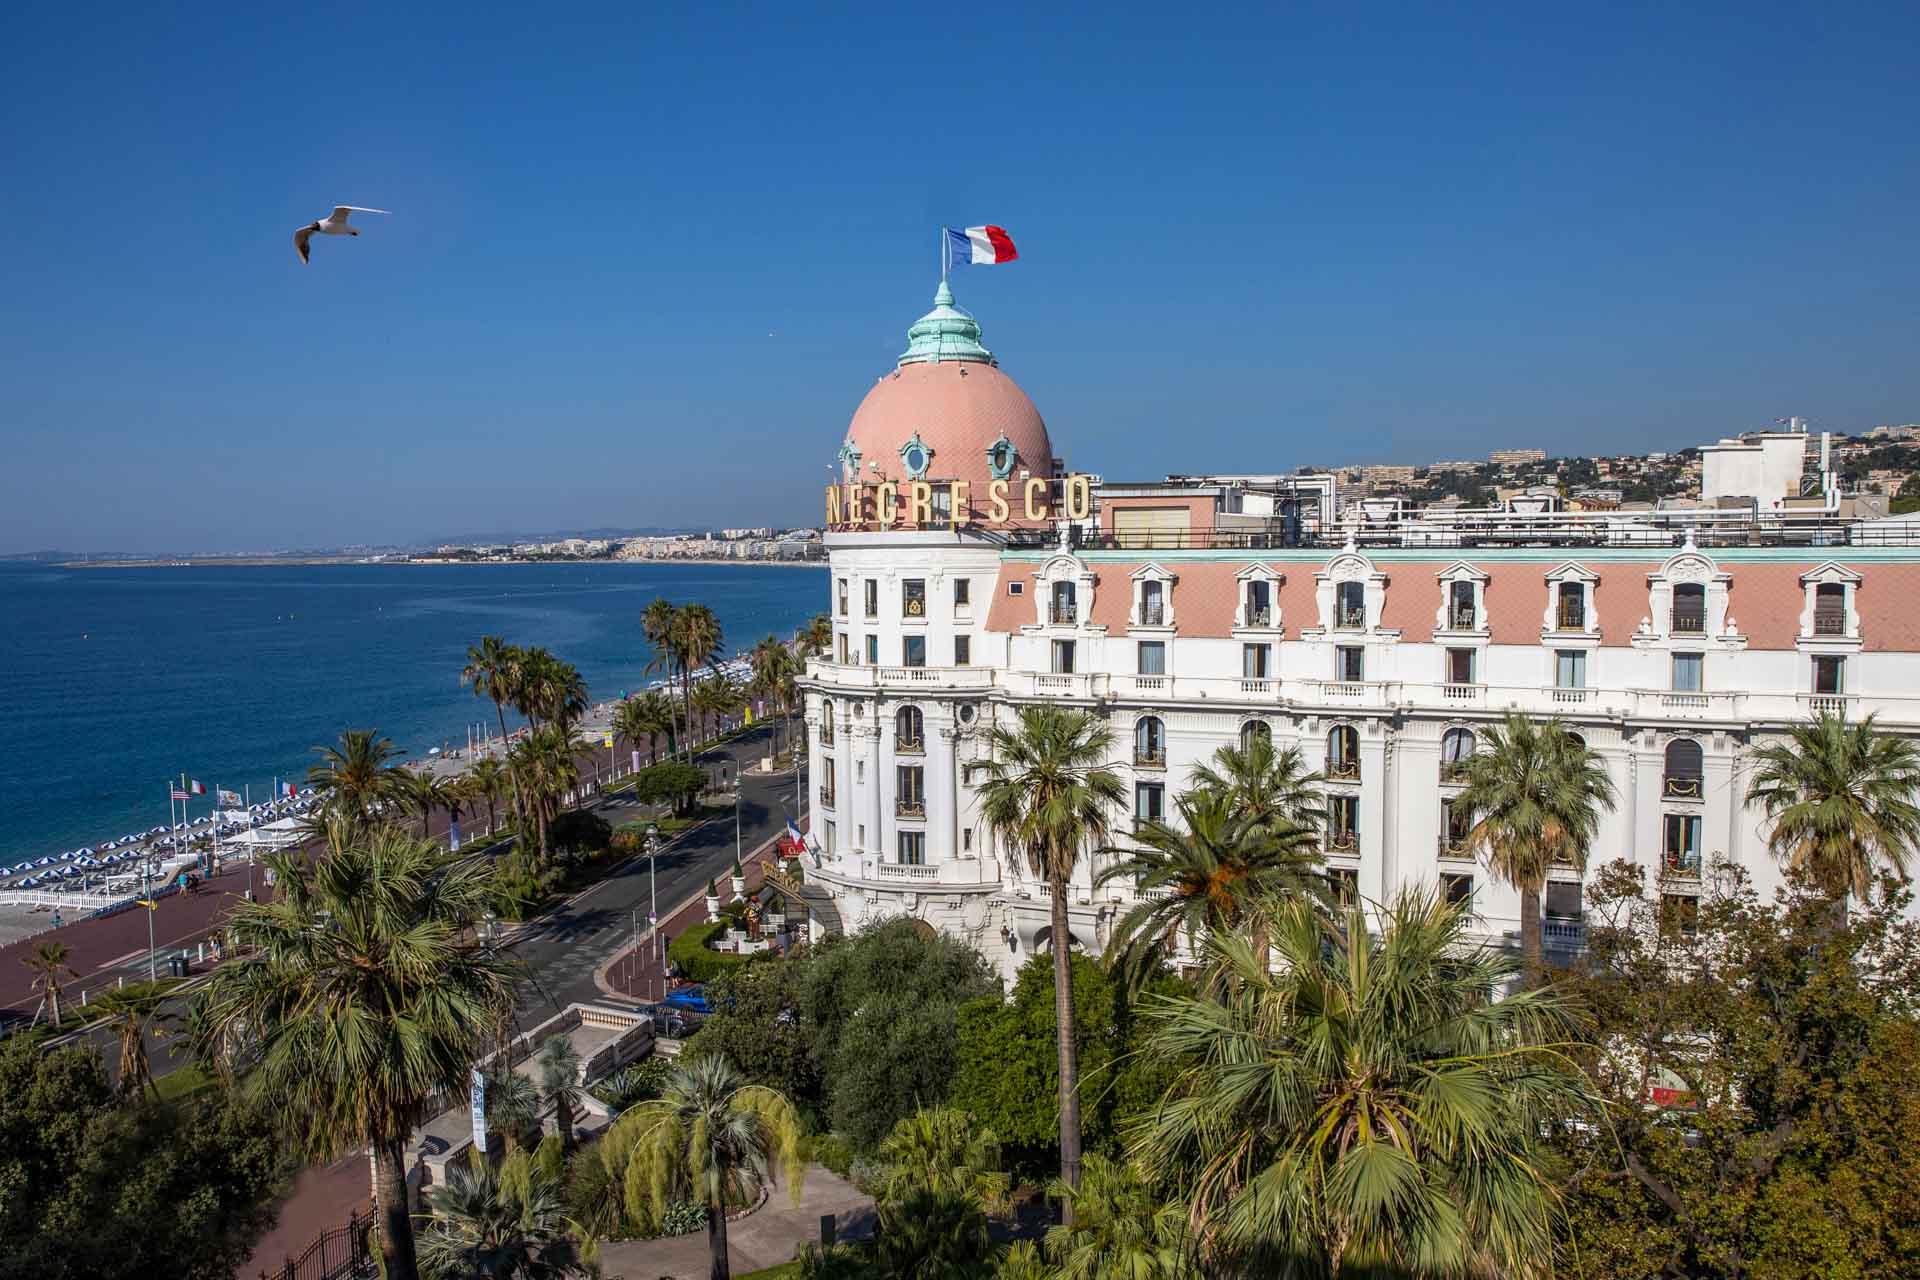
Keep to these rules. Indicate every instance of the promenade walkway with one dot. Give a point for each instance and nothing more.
(766, 1237)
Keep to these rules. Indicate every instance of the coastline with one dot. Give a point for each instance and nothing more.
(228, 562)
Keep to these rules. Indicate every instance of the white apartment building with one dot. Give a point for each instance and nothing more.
(1379, 646)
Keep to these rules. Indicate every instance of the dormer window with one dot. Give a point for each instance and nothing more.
(1461, 613)
(1063, 607)
(1689, 608)
(1572, 612)
(1001, 457)
(1350, 606)
(915, 456)
(1260, 603)
(1830, 609)
(1153, 604)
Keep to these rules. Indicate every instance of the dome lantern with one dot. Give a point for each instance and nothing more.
(944, 334)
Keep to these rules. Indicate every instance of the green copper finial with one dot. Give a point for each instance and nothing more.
(945, 333)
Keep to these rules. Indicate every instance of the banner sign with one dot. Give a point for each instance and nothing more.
(477, 1097)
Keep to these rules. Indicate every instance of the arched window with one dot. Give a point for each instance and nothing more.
(1149, 741)
(826, 723)
(907, 730)
(1456, 748)
(1343, 753)
(1689, 609)
(1683, 771)
(1350, 606)
(1577, 741)
(1253, 729)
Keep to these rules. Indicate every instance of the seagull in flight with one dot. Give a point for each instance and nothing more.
(334, 224)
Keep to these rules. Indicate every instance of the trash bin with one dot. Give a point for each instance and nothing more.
(177, 966)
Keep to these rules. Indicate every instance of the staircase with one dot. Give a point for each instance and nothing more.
(817, 901)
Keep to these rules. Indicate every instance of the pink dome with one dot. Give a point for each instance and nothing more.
(958, 411)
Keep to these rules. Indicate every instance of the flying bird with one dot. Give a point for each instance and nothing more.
(334, 224)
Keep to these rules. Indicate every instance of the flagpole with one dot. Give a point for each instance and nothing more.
(946, 253)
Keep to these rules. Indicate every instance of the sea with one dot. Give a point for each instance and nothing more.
(115, 681)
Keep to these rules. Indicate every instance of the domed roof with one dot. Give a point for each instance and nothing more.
(946, 412)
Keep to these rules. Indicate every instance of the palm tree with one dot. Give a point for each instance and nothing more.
(815, 637)
(132, 1013)
(510, 1225)
(1272, 787)
(933, 1235)
(357, 775)
(422, 792)
(1536, 794)
(659, 622)
(1841, 801)
(361, 993)
(1118, 1227)
(1211, 875)
(716, 698)
(50, 969)
(1047, 795)
(645, 718)
(774, 669)
(1368, 1104)
(940, 1151)
(493, 672)
(513, 1105)
(485, 781)
(548, 766)
(549, 691)
(711, 1137)
(697, 642)
(559, 1066)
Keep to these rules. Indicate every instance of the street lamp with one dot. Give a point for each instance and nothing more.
(653, 894)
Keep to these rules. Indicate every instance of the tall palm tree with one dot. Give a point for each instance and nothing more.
(1118, 1228)
(421, 793)
(1211, 872)
(361, 992)
(716, 698)
(697, 642)
(549, 691)
(484, 782)
(816, 637)
(711, 1137)
(1047, 796)
(50, 972)
(774, 669)
(1536, 794)
(941, 1151)
(493, 673)
(547, 763)
(132, 1013)
(659, 622)
(1368, 1105)
(1841, 800)
(644, 718)
(933, 1235)
(357, 775)
(1271, 786)
(509, 1225)
(513, 1105)
(559, 1067)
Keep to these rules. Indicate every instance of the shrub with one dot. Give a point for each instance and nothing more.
(696, 961)
(580, 833)
(676, 783)
(633, 1085)
(683, 1217)
(834, 1152)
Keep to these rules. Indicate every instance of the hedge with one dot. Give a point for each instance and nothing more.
(696, 961)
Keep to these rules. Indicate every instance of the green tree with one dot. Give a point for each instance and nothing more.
(493, 672)
(513, 1106)
(774, 670)
(1536, 794)
(675, 782)
(1118, 1229)
(547, 764)
(697, 642)
(559, 1067)
(1271, 788)
(360, 993)
(933, 1235)
(1367, 1103)
(644, 719)
(657, 623)
(1209, 872)
(813, 639)
(48, 963)
(1840, 798)
(505, 1225)
(761, 1026)
(485, 782)
(132, 1013)
(356, 776)
(710, 1137)
(941, 1151)
(1047, 797)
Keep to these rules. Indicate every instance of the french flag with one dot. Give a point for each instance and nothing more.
(981, 246)
(289, 790)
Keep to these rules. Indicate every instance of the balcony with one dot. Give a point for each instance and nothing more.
(1343, 770)
(1256, 686)
(1562, 940)
(1453, 773)
(826, 734)
(850, 675)
(913, 608)
(1827, 704)
(1681, 864)
(1063, 612)
(826, 798)
(1343, 842)
(1151, 758)
(1680, 787)
(1349, 619)
(1570, 619)
(1453, 847)
(1462, 694)
(1689, 622)
(1155, 686)
(1062, 684)
(1569, 697)
(909, 746)
(1151, 615)
(1259, 617)
(1462, 620)
(908, 807)
(1829, 624)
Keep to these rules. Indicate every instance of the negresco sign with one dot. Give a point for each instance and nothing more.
(890, 503)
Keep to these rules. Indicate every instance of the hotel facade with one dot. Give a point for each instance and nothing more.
(973, 573)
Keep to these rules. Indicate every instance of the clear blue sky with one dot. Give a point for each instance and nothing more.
(642, 265)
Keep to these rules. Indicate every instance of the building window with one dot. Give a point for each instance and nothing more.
(872, 589)
(826, 724)
(1065, 603)
(1461, 615)
(913, 598)
(1152, 657)
(1456, 825)
(1460, 666)
(1562, 901)
(1344, 882)
(1343, 753)
(1687, 672)
(1681, 778)
(1343, 823)
(1350, 606)
(1254, 661)
(910, 794)
(913, 651)
(1570, 669)
(1456, 749)
(1063, 657)
(1829, 674)
(966, 839)
(841, 599)
(1255, 731)
(841, 649)
(1679, 915)
(1689, 609)
(962, 651)
(1683, 843)
(1830, 609)
(1259, 603)
(873, 651)
(1153, 604)
(1016, 588)
(826, 783)
(909, 730)
(1573, 606)
(1350, 664)
(1149, 741)
(962, 593)
(827, 837)
(1458, 889)
(913, 848)
(1149, 802)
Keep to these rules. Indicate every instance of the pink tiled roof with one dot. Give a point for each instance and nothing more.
(959, 410)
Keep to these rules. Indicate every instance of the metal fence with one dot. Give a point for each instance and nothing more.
(344, 1253)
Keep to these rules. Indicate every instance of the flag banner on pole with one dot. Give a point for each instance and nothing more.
(288, 790)
(231, 799)
(981, 246)
(231, 815)
(178, 794)
(196, 786)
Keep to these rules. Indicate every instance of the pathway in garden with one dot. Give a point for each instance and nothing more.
(766, 1237)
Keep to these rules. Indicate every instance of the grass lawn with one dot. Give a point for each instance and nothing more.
(183, 1083)
(785, 1271)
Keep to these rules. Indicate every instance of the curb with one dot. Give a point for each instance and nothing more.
(600, 978)
(509, 938)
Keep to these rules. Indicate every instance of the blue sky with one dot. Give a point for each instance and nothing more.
(644, 262)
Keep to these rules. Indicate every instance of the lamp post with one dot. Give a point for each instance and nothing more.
(653, 895)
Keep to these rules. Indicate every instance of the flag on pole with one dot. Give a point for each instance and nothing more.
(178, 794)
(231, 799)
(981, 246)
(288, 790)
(793, 843)
(196, 786)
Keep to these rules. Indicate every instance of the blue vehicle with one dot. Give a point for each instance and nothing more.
(692, 999)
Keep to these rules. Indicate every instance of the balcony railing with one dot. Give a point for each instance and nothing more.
(1153, 615)
(1682, 864)
(1829, 624)
(1343, 770)
(826, 734)
(1453, 772)
(826, 798)
(1150, 758)
(1677, 786)
(1453, 846)
(1259, 686)
(1350, 619)
(1688, 622)
(913, 607)
(1462, 620)
(1569, 695)
(909, 808)
(1454, 692)
(1342, 841)
(910, 746)
(1259, 617)
(1571, 619)
(1063, 611)
(1828, 704)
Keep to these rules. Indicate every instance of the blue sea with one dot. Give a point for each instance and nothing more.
(113, 681)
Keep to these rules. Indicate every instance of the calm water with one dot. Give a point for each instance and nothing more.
(113, 681)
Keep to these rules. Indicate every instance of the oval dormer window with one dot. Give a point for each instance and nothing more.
(916, 457)
(1001, 456)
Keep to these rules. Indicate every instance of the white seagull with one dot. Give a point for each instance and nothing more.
(334, 224)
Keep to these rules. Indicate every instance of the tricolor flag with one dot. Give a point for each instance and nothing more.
(196, 786)
(794, 842)
(981, 246)
(288, 790)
